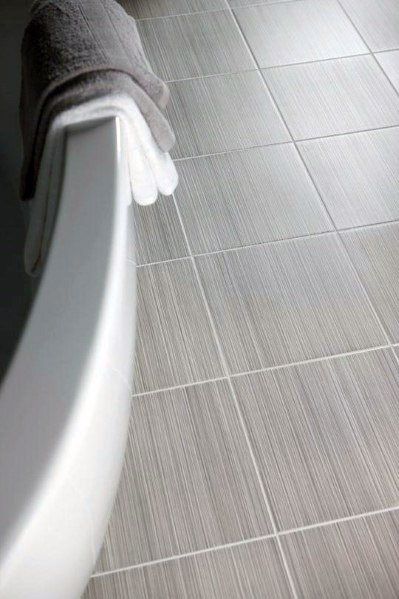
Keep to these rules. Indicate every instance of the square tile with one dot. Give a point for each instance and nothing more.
(390, 63)
(286, 302)
(141, 9)
(194, 45)
(247, 197)
(375, 254)
(189, 481)
(335, 96)
(249, 571)
(238, 3)
(224, 112)
(175, 343)
(325, 436)
(357, 175)
(357, 559)
(377, 21)
(295, 32)
(159, 235)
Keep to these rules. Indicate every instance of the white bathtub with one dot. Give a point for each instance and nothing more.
(64, 402)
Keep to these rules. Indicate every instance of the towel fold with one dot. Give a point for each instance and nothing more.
(151, 171)
(75, 51)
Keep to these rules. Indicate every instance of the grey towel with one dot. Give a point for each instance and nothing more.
(74, 51)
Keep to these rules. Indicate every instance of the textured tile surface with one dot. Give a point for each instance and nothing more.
(243, 198)
(141, 9)
(390, 63)
(159, 235)
(175, 343)
(336, 96)
(357, 175)
(189, 481)
(377, 21)
(235, 3)
(294, 32)
(375, 253)
(325, 436)
(194, 45)
(287, 302)
(358, 559)
(224, 112)
(251, 571)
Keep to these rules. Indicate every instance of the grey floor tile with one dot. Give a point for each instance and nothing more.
(142, 9)
(189, 482)
(248, 197)
(357, 175)
(159, 235)
(336, 96)
(295, 32)
(221, 113)
(390, 63)
(325, 436)
(375, 254)
(194, 45)
(175, 344)
(250, 571)
(358, 559)
(239, 3)
(377, 21)
(287, 302)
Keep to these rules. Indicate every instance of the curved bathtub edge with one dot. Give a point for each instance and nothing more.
(64, 405)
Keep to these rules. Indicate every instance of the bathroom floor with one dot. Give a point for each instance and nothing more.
(263, 454)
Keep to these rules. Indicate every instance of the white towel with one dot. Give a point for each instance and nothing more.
(151, 170)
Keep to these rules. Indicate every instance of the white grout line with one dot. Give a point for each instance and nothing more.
(276, 534)
(232, 545)
(269, 68)
(235, 398)
(289, 142)
(367, 45)
(212, 10)
(184, 386)
(354, 352)
(332, 231)
(295, 142)
(370, 514)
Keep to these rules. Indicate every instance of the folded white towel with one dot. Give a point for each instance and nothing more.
(151, 170)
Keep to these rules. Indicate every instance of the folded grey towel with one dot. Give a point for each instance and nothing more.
(74, 51)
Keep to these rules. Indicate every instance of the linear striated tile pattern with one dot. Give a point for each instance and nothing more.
(287, 302)
(357, 176)
(390, 63)
(356, 560)
(251, 571)
(141, 9)
(194, 45)
(325, 436)
(377, 20)
(322, 435)
(189, 482)
(159, 235)
(335, 96)
(239, 3)
(221, 113)
(248, 197)
(375, 254)
(175, 344)
(292, 32)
